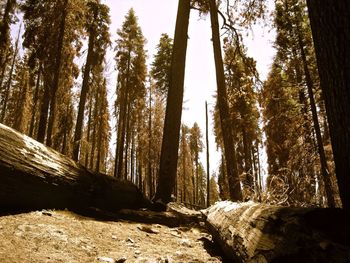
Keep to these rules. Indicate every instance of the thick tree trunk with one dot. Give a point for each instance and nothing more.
(56, 75)
(252, 232)
(229, 147)
(34, 176)
(330, 23)
(172, 123)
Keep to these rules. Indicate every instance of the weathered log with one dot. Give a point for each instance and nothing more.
(252, 232)
(33, 176)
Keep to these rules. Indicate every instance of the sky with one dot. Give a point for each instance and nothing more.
(158, 16)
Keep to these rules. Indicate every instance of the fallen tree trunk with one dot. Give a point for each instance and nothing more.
(251, 232)
(33, 176)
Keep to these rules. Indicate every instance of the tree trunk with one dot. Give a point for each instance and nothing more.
(207, 146)
(122, 123)
(83, 95)
(330, 23)
(94, 131)
(253, 232)
(229, 148)
(247, 145)
(56, 76)
(127, 141)
(88, 139)
(34, 176)
(4, 31)
(149, 175)
(9, 81)
(44, 111)
(324, 167)
(172, 123)
(35, 102)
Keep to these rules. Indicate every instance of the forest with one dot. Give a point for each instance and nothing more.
(129, 140)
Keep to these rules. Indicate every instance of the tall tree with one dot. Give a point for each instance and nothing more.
(160, 71)
(170, 144)
(5, 23)
(196, 147)
(131, 65)
(10, 77)
(300, 37)
(52, 39)
(330, 23)
(229, 147)
(97, 27)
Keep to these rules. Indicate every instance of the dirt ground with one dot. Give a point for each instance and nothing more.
(63, 236)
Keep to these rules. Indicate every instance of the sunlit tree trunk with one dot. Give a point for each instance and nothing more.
(172, 123)
(330, 23)
(229, 147)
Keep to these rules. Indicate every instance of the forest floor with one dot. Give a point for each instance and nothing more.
(64, 236)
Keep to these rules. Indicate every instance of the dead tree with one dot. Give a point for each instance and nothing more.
(33, 176)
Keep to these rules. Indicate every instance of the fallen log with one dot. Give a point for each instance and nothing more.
(252, 232)
(33, 176)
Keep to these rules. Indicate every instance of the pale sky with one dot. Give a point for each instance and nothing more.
(158, 16)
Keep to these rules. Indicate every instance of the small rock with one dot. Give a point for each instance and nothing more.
(129, 240)
(137, 252)
(186, 242)
(163, 260)
(184, 228)
(114, 237)
(106, 259)
(178, 253)
(121, 260)
(175, 232)
(148, 229)
(46, 213)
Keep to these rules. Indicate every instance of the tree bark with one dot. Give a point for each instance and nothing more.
(323, 161)
(83, 95)
(34, 176)
(229, 147)
(4, 31)
(253, 232)
(35, 102)
(172, 123)
(207, 146)
(9, 81)
(56, 75)
(330, 23)
(122, 121)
